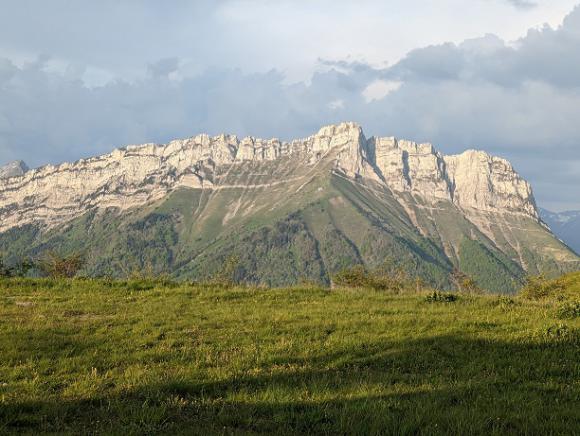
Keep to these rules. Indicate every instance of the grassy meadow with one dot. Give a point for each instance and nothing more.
(152, 357)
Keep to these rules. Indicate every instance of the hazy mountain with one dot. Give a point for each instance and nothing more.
(565, 225)
(288, 211)
(13, 169)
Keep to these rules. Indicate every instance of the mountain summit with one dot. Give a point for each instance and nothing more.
(286, 210)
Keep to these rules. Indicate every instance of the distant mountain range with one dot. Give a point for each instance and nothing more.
(286, 211)
(565, 225)
(13, 169)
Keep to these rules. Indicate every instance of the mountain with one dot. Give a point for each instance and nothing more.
(565, 225)
(287, 211)
(13, 169)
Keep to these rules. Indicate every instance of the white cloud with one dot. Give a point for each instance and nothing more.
(379, 89)
(336, 104)
(254, 35)
(522, 4)
(518, 100)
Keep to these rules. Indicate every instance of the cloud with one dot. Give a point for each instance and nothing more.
(112, 38)
(522, 4)
(163, 67)
(547, 55)
(521, 101)
(336, 104)
(379, 89)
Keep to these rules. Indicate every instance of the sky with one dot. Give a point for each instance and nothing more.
(79, 77)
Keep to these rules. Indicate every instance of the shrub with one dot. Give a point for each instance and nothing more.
(539, 287)
(440, 297)
(20, 269)
(559, 332)
(381, 279)
(57, 266)
(142, 278)
(465, 283)
(353, 277)
(4, 270)
(389, 277)
(569, 310)
(504, 302)
(228, 275)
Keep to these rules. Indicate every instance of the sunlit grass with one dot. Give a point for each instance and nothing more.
(140, 357)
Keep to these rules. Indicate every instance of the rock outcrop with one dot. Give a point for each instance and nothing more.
(139, 174)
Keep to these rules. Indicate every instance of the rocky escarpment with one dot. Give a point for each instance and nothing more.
(141, 174)
(473, 179)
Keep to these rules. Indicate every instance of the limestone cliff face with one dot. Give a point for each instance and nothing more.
(407, 166)
(489, 183)
(137, 175)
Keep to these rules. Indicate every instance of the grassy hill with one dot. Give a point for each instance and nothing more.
(150, 357)
(570, 285)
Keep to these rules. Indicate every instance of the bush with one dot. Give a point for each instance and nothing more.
(465, 283)
(20, 269)
(353, 277)
(228, 275)
(559, 332)
(5, 271)
(57, 266)
(569, 310)
(504, 302)
(381, 279)
(440, 297)
(539, 287)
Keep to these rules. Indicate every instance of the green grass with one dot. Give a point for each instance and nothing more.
(570, 285)
(87, 356)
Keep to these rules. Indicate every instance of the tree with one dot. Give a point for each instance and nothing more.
(20, 269)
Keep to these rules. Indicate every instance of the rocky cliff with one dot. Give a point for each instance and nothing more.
(141, 174)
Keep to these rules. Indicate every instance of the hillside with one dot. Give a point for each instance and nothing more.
(142, 357)
(565, 225)
(285, 211)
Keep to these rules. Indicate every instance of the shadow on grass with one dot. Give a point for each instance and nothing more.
(438, 385)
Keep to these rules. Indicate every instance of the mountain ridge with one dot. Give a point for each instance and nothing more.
(289, 211)
(403, 166)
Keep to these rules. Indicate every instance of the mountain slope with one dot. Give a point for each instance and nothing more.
(565, 225)
(287, 211)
